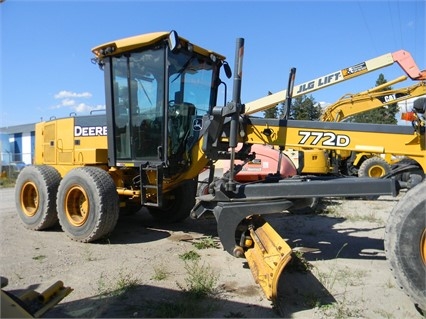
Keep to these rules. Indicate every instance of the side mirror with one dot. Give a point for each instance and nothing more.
(173, 41)
(227, 69)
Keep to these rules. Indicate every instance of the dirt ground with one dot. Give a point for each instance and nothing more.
(139, 270)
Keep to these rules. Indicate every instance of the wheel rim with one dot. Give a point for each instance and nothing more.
(77, 206)
(376, 171)
(29, 199)
(423, 246)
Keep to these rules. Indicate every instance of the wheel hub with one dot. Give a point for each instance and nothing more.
(29, 199)
(77, 206)
(376, 172)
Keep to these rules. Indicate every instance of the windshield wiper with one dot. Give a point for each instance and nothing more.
(184, 67)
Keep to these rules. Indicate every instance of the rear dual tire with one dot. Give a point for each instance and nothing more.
(35, 196)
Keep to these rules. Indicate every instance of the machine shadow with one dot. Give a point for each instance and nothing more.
(145, 301)
(299, 291)
(141, 227)
(324, 237)
(319, 236)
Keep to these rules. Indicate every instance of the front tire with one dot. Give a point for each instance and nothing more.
(179, 203)
(374, 167)
(405, 244)
(35, 196)
(88, 204)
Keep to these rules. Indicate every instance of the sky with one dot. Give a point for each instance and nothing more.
(45, 48)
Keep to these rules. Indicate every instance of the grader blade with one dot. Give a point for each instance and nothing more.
(243, 232)
(267, 258)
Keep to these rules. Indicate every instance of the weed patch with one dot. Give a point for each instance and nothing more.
(298, 263)
(206, 242)
(120, 284)
(190, 255)
(160, 273)
(200, 280)
(40, 257)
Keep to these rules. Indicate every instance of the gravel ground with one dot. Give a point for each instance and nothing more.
(139, 270)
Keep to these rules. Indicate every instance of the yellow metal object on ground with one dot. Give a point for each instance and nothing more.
(32, 304)
(267, 258)
(10, 307)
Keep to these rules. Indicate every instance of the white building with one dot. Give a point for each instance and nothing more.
(17, 143)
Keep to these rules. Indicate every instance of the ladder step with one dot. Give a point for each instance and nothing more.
(145, 185)
(150, 186)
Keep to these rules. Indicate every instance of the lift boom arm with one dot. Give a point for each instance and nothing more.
(352, 104)
(403, 58)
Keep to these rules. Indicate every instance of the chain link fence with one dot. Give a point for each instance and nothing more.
(11, 165)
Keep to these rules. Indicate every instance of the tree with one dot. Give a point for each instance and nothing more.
(304, 108)
(382, 115)
(271, 113)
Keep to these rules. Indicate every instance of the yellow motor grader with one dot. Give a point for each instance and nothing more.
(163, 127)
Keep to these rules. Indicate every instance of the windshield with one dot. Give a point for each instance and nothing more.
(190, 80)
(190, 97)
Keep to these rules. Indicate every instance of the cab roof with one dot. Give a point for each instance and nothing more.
(143, 40)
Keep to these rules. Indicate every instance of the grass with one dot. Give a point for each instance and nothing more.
(190, 255)
(312, 300)
(200, 283)
(344, 308)
(329, 208)
(370, 217)
(6, 182)
(332, 210)
(346, 277)
(125, 281)
(341, 310)
(102, 286)
(206, 242)
(160, 273)
(196, 299)
(122, 282)
(328, 279)
(298, 263)
(200, 280)
(40, 257)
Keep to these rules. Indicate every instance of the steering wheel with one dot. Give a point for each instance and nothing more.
(173, 108)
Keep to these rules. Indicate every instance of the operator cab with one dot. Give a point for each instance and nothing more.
(158, 87)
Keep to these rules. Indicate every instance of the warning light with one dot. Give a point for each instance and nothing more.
(408, 116)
